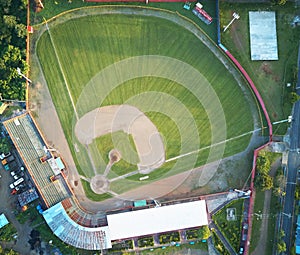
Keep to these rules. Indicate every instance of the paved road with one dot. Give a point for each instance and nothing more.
(293, 164)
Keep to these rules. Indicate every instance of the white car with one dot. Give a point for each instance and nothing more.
(3, 155)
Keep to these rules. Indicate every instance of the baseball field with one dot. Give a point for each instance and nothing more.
(141, 96)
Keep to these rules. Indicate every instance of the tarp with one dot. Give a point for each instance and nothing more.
(263, 36)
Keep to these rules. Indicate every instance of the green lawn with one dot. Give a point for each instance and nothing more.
(270, 77)
(90, 47)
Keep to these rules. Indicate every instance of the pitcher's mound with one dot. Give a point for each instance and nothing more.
(114, 156)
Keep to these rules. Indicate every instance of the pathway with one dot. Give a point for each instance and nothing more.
(262, 243)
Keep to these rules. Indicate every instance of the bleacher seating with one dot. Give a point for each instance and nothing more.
(70, 223)
(29, 144)
(74, 234)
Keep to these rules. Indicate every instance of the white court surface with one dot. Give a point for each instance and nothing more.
(263, 35)
(157, 220)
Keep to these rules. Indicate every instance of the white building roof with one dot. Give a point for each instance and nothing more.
(157, 220)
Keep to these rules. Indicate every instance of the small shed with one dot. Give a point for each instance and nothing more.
(139, 203)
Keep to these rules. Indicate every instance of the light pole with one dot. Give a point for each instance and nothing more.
(19, 72)
(235, 16)
(10, 100)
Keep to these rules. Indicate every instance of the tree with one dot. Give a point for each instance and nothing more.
(279, 2)
(12, 252)
(281, 247)
(12, 86)
(204, 232)
(10, 21)
(12, 48)
(294, 97)
(5, 145)
(281, 234)
(267, 182)
(21, 30)
(263, 164)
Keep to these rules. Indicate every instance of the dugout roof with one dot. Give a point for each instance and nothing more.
(157, 220)
(263, 37)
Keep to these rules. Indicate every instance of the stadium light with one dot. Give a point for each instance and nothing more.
(235, 16)
(19, 72)
(10, 100)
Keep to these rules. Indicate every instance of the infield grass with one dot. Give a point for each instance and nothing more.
(121, 142)
(87, 45)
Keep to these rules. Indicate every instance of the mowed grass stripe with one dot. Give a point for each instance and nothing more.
(87, 45)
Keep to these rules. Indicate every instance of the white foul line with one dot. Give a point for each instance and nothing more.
(212, 145)
(62, 72)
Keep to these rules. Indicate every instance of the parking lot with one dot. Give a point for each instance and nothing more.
(10, 205)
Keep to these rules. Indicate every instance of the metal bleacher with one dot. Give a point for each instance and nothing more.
(30, 144)
(74, 234)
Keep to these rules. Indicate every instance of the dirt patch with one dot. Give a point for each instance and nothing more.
(114, 156)
(266, 68)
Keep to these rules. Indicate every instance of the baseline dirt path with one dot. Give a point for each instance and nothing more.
(262, 242)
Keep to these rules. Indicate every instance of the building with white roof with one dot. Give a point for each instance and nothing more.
(157, 220)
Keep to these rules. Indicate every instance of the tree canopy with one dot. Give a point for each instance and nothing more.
(12, 48)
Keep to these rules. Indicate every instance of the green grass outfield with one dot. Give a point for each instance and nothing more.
(86, 46)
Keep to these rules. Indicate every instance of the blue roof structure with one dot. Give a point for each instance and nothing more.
(297, 242)
(3, 220)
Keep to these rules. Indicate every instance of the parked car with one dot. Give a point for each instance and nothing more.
(241, 250)
(16, 177)
(16, 183)
(7, 160)
(4, 155)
